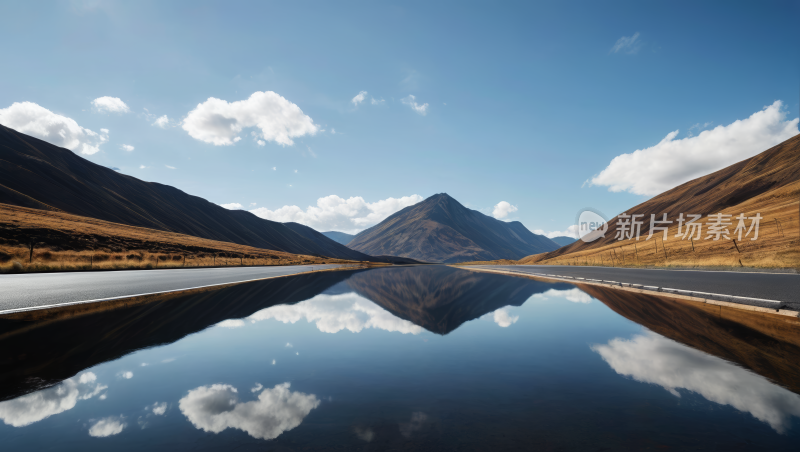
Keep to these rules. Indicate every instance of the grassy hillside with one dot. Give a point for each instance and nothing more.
(69, 242)
(36, 174)
(767, 184)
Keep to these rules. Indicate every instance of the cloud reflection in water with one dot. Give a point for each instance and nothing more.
(217, 407)
(651, 358)
(333, 313)
(39, 405)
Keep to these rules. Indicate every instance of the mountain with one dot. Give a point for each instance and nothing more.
(563, 240)
(340, 237)
(39, 175)
(767, 184)
(440, 298)
(440, 229)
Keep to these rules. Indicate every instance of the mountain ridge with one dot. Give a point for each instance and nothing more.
(37, 174)
(440, 229)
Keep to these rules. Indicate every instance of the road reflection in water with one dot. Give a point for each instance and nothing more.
(397, 357)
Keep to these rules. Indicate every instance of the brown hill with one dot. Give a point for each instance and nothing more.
(39, 175)
(768, 184)
(69, 242)
(440, 229)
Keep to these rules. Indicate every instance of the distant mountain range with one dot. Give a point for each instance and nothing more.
(340, 237)
(563, 240)
(39, 175)
(440, 229)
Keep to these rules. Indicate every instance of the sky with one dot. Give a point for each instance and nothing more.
(337, 114)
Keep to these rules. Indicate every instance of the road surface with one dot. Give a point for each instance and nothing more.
(783, 287)
(42, 290)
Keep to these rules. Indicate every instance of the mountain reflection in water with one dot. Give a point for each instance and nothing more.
(49, 367)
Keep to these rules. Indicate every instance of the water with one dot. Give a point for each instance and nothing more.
(418, 358)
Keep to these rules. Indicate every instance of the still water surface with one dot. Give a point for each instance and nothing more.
(410, 358)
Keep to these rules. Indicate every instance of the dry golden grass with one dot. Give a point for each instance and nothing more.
(70, 242)
(778, 244)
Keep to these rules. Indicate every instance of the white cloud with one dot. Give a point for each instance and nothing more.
(671, 162)
(359, 98)
(158, 408)
(274, 168)
(571, 231)
(334, 313)
(411, 101)
(169, 167)
(261, 142)
(126, 375)
(377, 101)
(333, 131)
(108, 104)
(42, 404)
(232, 206)
(39, 122)
(162, 122)
(333, 213)
(627, 44)
(502, 209)
(231, 323)
(650, 358)
(257, 387)
(219, 122)
(418, 420)
(574, 295)
(127, 147)
(108, 426)
(503, 318)
(288, 344)
(142, 167)
(273, 362)
(217, 407)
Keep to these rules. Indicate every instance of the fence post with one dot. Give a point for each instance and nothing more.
(30, 259)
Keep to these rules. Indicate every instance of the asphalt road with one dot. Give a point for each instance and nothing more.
(784, 287)
(40, 290)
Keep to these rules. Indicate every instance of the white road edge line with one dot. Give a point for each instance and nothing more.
(71, 303)
(646, 287)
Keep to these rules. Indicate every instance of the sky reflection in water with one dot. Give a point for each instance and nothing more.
(428, 357)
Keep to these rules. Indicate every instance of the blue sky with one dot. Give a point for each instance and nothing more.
(527, 103)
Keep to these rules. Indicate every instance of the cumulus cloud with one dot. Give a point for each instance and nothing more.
(627, 44)
(231, 323)
(257, 387)
(219, 122)
(574, 295)
(217, 407)
(158, 408)
(42, 404)
(502, 209)
(39, 122)
(232, 206)
(571, 231)
(377, 101)
(672, 162)
(162, 121)
(359, 98)
(333, 213)
(412, 102)
(418, 420)
(503, 318)
(127, 147)
(108, 104)
(125, 374)
(108, 426)
(651, 358)
(334, 313)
